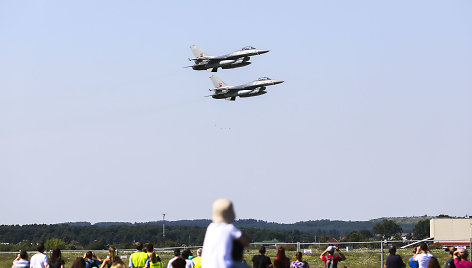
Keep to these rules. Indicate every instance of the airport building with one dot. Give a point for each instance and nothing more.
(450, 231)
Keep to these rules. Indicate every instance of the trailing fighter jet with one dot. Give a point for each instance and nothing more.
(254, 88)
(235, 59)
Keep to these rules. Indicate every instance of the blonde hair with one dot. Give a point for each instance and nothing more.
(112, 252)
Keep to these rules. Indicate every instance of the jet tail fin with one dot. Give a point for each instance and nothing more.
(217, 82)
(198, 52)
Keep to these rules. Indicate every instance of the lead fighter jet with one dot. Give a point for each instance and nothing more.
(235, 59)
(254, 88)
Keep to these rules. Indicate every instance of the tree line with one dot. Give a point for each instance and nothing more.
(87, 236)
(65, 236)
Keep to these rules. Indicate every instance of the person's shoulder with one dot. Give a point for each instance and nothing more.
(221, 225)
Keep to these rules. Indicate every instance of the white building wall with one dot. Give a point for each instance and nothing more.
(444, 229)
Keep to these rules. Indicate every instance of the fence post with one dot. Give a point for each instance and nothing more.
(381, 254)
(298, 246)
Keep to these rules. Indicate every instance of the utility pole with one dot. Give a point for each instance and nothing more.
(164, 230)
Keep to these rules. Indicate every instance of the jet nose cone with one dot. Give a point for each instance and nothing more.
(262, 51)
(278, 82)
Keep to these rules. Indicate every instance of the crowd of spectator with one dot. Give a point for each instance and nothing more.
(223, 247)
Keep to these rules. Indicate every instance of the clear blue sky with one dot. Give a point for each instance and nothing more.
(100, 122)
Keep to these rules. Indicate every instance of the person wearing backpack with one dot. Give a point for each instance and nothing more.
(330, 260)
(92, 261)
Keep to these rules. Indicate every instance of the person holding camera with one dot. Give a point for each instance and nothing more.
(91, 260)
(411, 262)
(21, 261)
(460, 258)
(331, 261)
(422, 255)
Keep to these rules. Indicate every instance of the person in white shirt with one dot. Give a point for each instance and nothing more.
(422, 255)
(219, 236)
(185, 255)
(21, 260)
(39, 260)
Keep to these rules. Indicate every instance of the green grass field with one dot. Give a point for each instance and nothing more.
(359, 258)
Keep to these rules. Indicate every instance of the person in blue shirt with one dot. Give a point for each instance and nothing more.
(91, 260)
(411, 262)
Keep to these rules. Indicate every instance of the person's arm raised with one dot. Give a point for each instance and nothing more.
(341, 254)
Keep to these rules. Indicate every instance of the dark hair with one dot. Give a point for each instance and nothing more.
(179, 263)
(392, 250)
(262, 250)
(40, 247)
(299, 256)
(451, 250)
(186, 253)
(433, 263)
(55, 255)
(78, 263)
(118, 261)
(89, 254)
(464, 254)
(24, 254)
(237, 251)
(414, 250)
(139, 245)
(424, 247)
(176, 252)
(150, 249)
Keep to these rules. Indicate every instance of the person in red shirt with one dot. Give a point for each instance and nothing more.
(330, 257)
(460, 259)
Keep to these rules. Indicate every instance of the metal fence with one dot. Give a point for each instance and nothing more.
(380, 245)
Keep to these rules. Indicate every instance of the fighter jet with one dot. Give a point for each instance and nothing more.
(235, 59)
(251, 89)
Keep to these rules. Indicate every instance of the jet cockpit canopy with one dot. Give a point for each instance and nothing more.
(248, 48)
(264, 78)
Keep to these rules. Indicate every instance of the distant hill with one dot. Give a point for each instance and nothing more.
(312, 226)
(75, 235)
